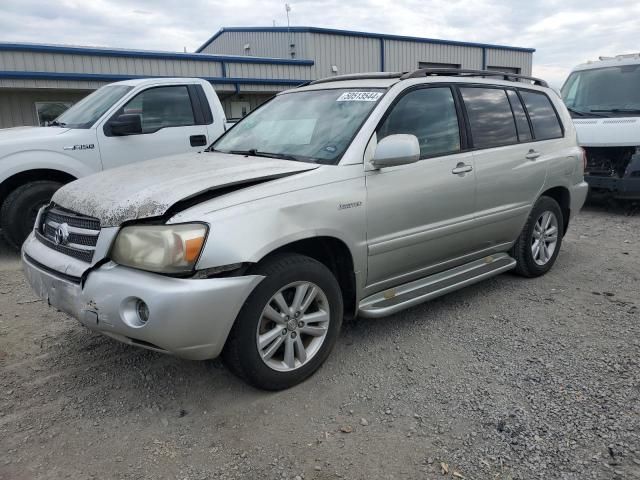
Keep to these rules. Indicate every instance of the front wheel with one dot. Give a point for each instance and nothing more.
(538, 246)
(288, 325)
(20, 209)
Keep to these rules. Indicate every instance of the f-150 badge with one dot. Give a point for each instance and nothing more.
(84, 146)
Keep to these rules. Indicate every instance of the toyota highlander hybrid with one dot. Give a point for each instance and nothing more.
(355, 195)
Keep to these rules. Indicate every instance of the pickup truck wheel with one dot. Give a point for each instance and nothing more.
(539, 243)
(288, 325)
(20, 209)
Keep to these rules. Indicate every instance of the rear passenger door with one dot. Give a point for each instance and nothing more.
(172, 122)
(510, 169)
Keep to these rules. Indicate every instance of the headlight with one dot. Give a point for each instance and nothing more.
(160, 248)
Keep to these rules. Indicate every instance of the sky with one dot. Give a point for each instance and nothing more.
(563, 33)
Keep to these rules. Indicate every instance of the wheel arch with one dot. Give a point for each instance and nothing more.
(563, 197)
(336, 256)
(22, 178)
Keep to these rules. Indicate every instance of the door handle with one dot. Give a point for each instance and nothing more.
(461, 168)
(198, 140)
(532, 155)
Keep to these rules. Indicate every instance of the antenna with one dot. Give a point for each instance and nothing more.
(287, 8)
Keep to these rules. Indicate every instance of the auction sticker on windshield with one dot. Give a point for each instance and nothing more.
(359, 97)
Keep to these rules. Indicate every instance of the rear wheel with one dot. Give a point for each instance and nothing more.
(20, 209)
(539, 243)
(288, 325)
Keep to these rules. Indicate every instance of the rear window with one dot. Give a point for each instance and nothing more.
(542, 114)
(490, 117)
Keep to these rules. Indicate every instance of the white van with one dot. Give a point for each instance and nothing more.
(603, 98)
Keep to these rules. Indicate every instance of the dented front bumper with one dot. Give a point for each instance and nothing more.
(623, 188)
(189, 318)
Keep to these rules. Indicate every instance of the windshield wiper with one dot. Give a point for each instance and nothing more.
(256, 153)
(584, 114)
(617, 110)
(56, 123)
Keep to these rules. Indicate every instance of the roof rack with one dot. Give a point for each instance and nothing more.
(359, 76)
(428, 72)
(457, 72)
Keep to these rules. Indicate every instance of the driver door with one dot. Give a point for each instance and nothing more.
(169, 126)
(419, 215)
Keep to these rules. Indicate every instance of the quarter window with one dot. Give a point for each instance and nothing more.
(430, 115)
(522, 124)
(162, 107)
(543, 117)
(490, 118)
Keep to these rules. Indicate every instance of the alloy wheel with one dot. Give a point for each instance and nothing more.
(293, 326)
(544, 240)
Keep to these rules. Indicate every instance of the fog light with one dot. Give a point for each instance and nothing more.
(143, 311)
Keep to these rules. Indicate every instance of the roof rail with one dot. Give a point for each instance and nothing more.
(457, 72)
(359, 76)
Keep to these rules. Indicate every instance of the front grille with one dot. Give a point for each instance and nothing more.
(69, 233)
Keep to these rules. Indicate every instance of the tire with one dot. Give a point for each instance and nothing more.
(20, 208)
(286, 274)
(527, 264)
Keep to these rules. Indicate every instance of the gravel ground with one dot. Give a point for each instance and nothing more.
(508, 379)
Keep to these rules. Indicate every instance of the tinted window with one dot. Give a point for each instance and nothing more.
(490, 117)
(430, 115)
(543, 116)
(162, 107)
(522, 124)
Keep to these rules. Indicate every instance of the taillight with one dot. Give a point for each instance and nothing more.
(584, 159)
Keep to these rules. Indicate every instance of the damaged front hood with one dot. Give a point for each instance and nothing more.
(149, 189)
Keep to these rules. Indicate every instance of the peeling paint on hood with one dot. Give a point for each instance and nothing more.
(150, 188)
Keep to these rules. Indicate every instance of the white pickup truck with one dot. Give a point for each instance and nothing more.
(116, 125)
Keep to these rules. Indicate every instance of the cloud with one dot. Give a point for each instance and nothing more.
(564, 33)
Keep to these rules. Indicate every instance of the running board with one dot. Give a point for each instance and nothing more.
(413, 293)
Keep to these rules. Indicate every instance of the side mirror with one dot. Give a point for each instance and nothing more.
(396, 150)
(126, 124)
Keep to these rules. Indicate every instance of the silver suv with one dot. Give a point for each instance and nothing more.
(355, 195)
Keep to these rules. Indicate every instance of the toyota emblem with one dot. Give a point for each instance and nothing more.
(61, 236)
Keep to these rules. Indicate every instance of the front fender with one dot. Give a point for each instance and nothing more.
(24, 161)
(250, 231)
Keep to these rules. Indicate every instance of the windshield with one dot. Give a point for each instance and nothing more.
(609, 90)
(313, 126)
(88, 110)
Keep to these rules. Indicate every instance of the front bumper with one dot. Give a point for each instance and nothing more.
(623, 188)
(189, 318)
